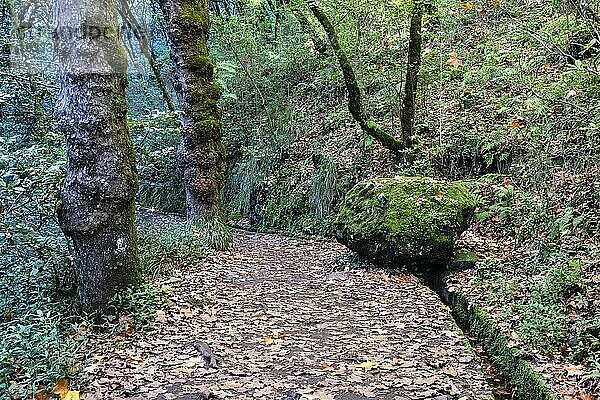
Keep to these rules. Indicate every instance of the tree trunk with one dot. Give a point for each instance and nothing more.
(201, 155)
(412, 73)
(5, 25)
(368, 125)
(146, 50)
(305, 25)
(97, 209)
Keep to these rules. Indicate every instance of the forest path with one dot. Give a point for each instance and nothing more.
(289, 321)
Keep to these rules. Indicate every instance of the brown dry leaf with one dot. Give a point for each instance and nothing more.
(255, 366)
(90, 369)
(269, 341)
(61, 388)
(573, 370)
(515, 124)
(184, 369)
(43, 395)
(453, 60)
(128, 329)
(161, 316)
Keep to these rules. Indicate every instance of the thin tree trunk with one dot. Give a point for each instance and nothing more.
(97, 209)
(412, 73)
(146, 50)
(5, 25)
(368, 125)
(201, 155)
(305, 25)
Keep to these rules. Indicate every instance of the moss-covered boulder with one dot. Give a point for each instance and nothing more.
(404, 220)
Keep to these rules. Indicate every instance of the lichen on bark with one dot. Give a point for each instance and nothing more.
(201, 154)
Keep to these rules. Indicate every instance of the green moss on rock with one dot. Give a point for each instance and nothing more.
(526, 383)
(404, 220)
(463, 259)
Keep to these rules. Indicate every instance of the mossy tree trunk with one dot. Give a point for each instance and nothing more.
(201, 155)
(97, 209)
(412, 72)
(355, 105)
(306, 26)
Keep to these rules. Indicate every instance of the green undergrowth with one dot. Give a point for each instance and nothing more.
(136, 308)
(42, 332)
(544, 289)
(167, 244)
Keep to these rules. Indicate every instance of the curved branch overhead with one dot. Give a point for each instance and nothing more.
(355, 105)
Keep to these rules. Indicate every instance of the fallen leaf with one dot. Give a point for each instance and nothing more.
(466, 6)
(161, 316)
(367, 392)
(517, 123)
(61, 388)
(269, 341)
(367, 365)
(71, 395)
(453, 60)
(43, 395)
(574, 370)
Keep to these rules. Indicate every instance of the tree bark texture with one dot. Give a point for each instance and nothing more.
(201, 154)
(355, 105)
(97, 209)
(412, 73)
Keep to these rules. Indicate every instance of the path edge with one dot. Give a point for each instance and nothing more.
(528, 384)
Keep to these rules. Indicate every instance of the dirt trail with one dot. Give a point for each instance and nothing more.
(289, 321)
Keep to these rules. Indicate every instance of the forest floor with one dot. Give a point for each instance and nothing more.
(286, 319)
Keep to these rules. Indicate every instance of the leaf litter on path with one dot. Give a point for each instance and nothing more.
(280, 325)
